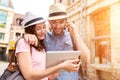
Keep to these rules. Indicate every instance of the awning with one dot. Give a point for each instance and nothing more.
(3, 45)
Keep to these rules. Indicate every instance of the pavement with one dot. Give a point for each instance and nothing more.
(3, 66)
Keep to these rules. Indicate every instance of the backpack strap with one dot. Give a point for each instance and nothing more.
(16, 57)
(13, 64)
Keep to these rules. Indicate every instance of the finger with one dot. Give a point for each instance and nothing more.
(75, 68)
(26, 37)
(74, 61)
(30, 39)
(36, 41)
(33, 39)
(77, 60)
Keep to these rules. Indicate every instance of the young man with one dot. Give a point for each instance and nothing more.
(64, 37)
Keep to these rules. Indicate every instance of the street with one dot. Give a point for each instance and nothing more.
(3, 66)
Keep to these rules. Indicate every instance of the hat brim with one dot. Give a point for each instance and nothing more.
(57, 17)
(40, 21)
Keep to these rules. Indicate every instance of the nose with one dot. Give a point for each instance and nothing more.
(43, 31)
(58, 25)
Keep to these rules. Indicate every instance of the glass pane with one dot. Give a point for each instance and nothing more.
(103, 50)
(102, 40)
(3, 18)
(1, 36)
(4, 2)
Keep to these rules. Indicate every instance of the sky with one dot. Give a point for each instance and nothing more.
(39, 7)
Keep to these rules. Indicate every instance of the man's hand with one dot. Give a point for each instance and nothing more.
(71, 26)
(31, 39)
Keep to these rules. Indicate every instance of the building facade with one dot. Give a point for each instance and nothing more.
(6, 16)
(98, 22)
(16, 30)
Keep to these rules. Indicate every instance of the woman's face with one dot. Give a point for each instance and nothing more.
(58, 25)
(40, 30)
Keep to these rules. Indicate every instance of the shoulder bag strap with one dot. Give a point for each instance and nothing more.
(16, 57)
(13, 58)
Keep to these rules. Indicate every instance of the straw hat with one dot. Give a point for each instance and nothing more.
(31, 19)
(57, 11)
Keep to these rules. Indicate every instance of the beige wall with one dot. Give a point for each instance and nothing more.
(82, 18)
(115, 32)
(15, 27)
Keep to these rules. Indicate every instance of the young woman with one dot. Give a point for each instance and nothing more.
(32, 59)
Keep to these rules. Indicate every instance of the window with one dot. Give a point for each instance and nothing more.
(102, 39)
(2, 35)
(2, 54)
(3, 18)
(19, 21)
(4, 2)
(17, 36)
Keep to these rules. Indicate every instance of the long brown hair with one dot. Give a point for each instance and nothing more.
(31, 30)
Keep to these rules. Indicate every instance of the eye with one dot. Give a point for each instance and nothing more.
(62, 21)
(40, 27)
(44, 27)
(37, 28)
(53, 22)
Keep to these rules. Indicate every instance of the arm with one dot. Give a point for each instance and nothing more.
(30, 39)
(78, 42)
(25, 64)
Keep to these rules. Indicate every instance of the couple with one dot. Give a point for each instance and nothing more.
(64, 36)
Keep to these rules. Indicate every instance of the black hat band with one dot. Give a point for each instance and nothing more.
(33, 20)
(57, 14)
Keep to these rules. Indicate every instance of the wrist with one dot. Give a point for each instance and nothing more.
(60, 66)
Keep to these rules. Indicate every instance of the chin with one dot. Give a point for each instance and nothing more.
(58, 32)
(41, 38)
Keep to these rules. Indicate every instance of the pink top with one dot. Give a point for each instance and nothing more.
(38, 57)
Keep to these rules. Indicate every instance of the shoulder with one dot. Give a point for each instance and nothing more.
(21, 41)
(49, 33)
(22, 45)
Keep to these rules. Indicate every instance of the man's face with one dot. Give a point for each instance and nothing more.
(58, 25)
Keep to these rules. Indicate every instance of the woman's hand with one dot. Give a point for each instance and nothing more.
(70, 65)
(31, 39)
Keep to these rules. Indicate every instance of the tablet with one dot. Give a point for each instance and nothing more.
(55, 57)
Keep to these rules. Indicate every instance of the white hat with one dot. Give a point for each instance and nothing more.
(31, 19)
(57, 11)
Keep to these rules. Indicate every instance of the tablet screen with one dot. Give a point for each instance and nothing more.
(55, 57)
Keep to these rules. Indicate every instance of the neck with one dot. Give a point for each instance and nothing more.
(58, 34)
